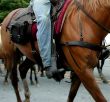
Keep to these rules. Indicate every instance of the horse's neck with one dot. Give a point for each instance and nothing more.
(102, 16)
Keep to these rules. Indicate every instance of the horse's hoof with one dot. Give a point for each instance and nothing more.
(37, 85)
(26, 100)
(32, 83)
(105, 81)
(37, 82)
(42, 75)
(5, 83)
(19, 88)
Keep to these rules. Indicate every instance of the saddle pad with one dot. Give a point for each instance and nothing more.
(34, 30)
(59, 21)
(21, 15)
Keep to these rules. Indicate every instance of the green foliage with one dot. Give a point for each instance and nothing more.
(7, 6)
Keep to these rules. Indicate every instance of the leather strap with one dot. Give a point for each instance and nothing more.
(95, 47)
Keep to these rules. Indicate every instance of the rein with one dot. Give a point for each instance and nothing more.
(84, 44)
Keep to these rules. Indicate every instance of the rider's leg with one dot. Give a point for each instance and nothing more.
(42, 12)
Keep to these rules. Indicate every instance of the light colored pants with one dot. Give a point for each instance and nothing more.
(41, 9)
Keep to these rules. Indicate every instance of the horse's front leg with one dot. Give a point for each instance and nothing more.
(26, 89)
(87, 78)
(35, 75)
(14, 80)
(31, 80)
(6, 77)
(99, 67)
(23, 73)
(40, 68)
(23, 68)
(1, 70)
(83, 65)
(8, 65)
(75, 83)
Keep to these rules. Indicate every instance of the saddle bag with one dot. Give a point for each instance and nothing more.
(19, 33)
(20, 26)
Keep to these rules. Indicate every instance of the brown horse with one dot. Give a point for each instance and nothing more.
(83, 30)
(7, 51)
(11, 58)
(8, 54)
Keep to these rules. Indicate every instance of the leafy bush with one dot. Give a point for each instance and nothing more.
(7, 6)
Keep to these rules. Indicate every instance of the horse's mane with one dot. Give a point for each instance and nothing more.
(95, 4)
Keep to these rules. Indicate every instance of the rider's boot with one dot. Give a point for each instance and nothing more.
(52, 70)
